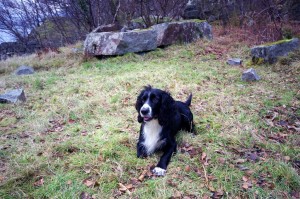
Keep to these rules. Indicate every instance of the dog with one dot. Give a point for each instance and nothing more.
(161, 118)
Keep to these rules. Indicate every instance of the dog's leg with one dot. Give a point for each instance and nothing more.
(161, 168)
(140, 150)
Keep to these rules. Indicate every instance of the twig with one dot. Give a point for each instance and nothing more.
(205, 175)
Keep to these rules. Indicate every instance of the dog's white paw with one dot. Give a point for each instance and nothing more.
(159, 171)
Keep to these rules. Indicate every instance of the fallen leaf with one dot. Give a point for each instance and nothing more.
(220, 151)
(134, 181)
(211, 188)
(187, 168)
(271, 186)
(69, 182)
(84, 133)
(171, 183)
(245, 185)
(177, 194)
(239, 161)
(129, 186)
(270, 122)
(203, 157)
(242, 167)
(123, 188)
(88, 182)
(205, 197)
(287, 158)
(221, 160)
(85, 195)
(142, 176)
(40, 182)
(71, 121)
(245, 179)
(249, 172)
(98, 126)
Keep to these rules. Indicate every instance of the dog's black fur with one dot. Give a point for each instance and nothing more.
(161, 117)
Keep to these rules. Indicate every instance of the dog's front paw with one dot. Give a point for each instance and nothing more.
(159, 171)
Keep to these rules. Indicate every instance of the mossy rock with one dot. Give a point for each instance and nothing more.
(269, 52)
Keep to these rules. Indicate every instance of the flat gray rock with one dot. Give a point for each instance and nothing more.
(250, 75)
(24, 70)
(234, 61)
(269, 53)
(13, 96)
(119, 43)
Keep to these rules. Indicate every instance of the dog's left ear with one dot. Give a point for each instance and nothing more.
(166, 108)
(138, 106)
(140, 119)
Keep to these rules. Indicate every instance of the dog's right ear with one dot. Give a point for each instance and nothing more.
(138, 106)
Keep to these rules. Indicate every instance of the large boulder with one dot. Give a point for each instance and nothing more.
(182, 32)
(119, 43)
(269, 53)
(13, 96)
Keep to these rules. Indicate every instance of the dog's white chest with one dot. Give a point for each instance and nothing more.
(151, 133)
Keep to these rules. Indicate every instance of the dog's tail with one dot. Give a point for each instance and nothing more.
(189, 100)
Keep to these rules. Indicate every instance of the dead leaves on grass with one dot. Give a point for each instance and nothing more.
(189, 149)
(285, 119)
(55, 126)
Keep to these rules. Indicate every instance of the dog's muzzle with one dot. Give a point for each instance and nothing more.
(146, 112)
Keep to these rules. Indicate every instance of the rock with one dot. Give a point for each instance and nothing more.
(234, 61)
(191, 10)
(124, 29)
(269, 53)
(182, 32)
(24, 70)
(13, 96)
(135, 25)
(77, 50)
(119, 43)
(250, 75)
(107, 28)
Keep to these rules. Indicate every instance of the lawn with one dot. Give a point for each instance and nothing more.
(75, 136)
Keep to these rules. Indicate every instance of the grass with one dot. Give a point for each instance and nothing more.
(79, 124)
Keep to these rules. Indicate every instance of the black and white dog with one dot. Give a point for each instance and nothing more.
(161, 117)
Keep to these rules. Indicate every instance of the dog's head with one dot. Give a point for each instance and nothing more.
(154, 104)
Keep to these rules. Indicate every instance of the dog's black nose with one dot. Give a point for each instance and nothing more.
(145, 111)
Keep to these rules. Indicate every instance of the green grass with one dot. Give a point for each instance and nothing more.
(79, 122)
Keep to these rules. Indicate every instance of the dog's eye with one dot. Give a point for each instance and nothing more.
(144, 99)
(153, 97)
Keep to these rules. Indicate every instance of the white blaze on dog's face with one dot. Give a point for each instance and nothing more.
(146, 111)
